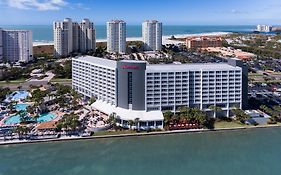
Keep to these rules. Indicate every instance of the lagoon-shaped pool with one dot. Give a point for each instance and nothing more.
(15, 119)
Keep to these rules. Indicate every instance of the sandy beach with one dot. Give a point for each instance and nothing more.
(165, 38)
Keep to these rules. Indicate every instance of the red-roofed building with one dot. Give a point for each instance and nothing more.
(203, 42)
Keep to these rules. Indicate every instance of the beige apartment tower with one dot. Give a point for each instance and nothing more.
(71, 37)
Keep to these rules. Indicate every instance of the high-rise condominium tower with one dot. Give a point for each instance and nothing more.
(152, 35)
(87, 37)
(63, 42)
(16, 45)
(116, 36)
(74, 37)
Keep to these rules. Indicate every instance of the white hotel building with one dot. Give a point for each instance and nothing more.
(152, 35)
(16, 45)
(135, 89)
(116, 36)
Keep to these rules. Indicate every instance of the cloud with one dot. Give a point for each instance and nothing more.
(79, 6)
(42, 5)
(235, 11)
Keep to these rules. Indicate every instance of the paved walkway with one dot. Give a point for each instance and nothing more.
(66, 138)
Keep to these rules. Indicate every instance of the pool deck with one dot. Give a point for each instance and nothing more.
(76, 138)
(17, 96)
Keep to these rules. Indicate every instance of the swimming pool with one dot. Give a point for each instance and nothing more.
(46, 117)
(12, 120)
(21, 107)
(15, 119)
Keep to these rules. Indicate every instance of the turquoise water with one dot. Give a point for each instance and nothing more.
(21, 107)
(15, 119)
(45, 32)
(245, 152)
(46, 117)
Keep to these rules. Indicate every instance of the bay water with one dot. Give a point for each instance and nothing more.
(244, 152)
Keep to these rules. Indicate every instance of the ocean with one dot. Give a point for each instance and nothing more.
(243, 152)
(44, 33)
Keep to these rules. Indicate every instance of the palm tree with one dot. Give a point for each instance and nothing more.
(200, 116)
(35, 117)
(137, 122)
(240, 115)
(92, 100)
(69, 122)
(23, 116)
(167, 117)
(21, 130)
(112, 119)
(277, 111)
(216, 109)
(11, 105)
(117, 55)
(73, 121)
(19, 87)
(31, 109)
(263, 107)
(18, 130)
(131, 123)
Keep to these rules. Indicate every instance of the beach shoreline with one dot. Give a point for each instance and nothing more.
(165, 38)
(134, 135)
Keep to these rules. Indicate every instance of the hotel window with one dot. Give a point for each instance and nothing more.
(130, 88)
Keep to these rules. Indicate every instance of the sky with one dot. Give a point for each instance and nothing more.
(172, 12)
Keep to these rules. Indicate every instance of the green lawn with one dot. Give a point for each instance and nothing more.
(13, 82)
(255, 75)
(60, 80)
(225, 124)
(101, 133)
(270, 81)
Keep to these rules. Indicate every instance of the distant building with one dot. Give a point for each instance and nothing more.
(231, 53)
(73, 37)
(1, 44)
(203, 42)
(135, 89)
(264, 28)
(87, 36)
(16, 45)
(152, 35)
(63, 38)
(276, 29)
(116, 36)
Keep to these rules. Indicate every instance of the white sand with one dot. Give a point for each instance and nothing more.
(165, 38)
(42, 43)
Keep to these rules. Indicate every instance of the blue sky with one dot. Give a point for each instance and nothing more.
(180, 12)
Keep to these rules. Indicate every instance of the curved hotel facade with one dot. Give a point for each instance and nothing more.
(136, 89)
